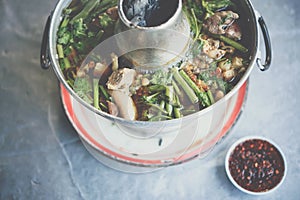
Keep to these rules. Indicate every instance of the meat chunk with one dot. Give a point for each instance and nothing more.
(125, 104)
(223, 23)
(121, 79)
(112, 108)
(118, 84)
(211, 48)
(234, 31)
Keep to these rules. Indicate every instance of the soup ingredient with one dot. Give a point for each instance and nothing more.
(201, 94)
(96, 93)
(193, 13)
(125, 105)
(212, 48)
(90, 5)
(234, 31)
(99, 69)
(223, 26)
(220, 22)
(212, 6)
(119, 84)
(84, 24)
(161, 77)
(187, 89)
(84, 89)
(121, 79)
(256, 165)
(231, 42)
(112, 108)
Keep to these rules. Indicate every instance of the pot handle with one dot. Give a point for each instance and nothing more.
(267, 41)
(44, 55)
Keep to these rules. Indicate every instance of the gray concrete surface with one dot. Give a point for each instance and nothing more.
(41, 156)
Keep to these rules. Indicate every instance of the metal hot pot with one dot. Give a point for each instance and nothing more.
(138, 146)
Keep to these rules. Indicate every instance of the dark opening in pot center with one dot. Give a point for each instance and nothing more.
(149, 13)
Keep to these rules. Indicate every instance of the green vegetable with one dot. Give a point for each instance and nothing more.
(176, 88)
(211, 97)
(177, 112)
(205, 101)
(161, 77)
(212, 6)
(170, 94)
(196, 48)
(169, 109)
(162, 106)
(187, 89)
(151, 98)
(177, 102)
(65, 22)
(156, 88)
(105, 93)
(231, 42)
(103, 6)
(190, 82)
(83, 89)
(159, 118)
(105, 20)
(60, 51)
(96, 93)
(204, 76)
(194, 12)
(79, 28)
(67, 63)
(64, 36)
(88, 7)
(185, 112)
(158, 107)
(201, 95)
(73, 33)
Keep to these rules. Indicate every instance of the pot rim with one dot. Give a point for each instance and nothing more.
(56, 18)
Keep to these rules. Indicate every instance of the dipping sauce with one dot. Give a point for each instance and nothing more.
(256, 165)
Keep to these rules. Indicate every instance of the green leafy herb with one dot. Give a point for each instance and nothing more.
(212, 6)
(161, 77)
(83, 89)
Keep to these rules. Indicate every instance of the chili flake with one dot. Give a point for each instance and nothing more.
(256, 165)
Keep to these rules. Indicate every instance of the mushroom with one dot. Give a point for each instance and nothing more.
(219, 95)
(225, 65)
(145, 81)
(229, 74)
(216, 53)
(237, 62)
(211, 48)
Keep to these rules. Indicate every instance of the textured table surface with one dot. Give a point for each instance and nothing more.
(42, 157)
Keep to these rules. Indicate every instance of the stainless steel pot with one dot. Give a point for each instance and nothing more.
(190, 136)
